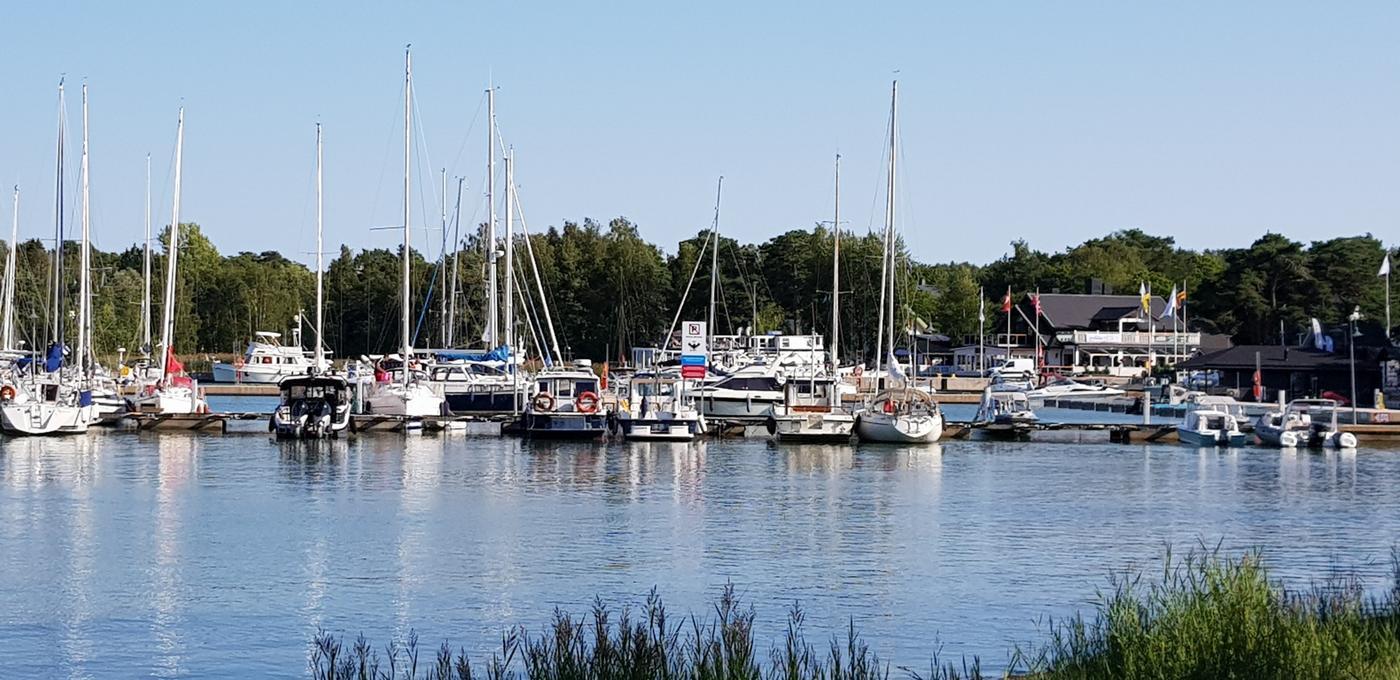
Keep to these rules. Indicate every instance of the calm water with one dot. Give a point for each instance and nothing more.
(126, 555)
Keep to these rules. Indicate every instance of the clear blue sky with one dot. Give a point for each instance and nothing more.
(1053, 122)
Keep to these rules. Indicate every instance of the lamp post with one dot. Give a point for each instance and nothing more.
(1351, 349)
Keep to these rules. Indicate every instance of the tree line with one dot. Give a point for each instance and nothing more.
(608, 289)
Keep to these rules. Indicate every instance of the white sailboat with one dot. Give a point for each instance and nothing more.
(172, 391)
(314, 405)
(898, 414)
(54, 400)
(407, 391)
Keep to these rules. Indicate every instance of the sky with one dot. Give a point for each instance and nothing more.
(1050, 122)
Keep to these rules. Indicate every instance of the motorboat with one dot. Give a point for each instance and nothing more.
(479, 382)
(811, 411)
(747, 395)
(657, 407)
(1228, 404)
(901, 416)
(1066, 388)
(1299, 424)
(567, 405)
(1208, 426)
(1005, 412)
(313, 406)
(266, 361)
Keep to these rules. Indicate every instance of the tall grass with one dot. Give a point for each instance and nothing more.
(1205, 616)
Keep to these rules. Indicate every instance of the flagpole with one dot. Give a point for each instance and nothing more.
(1039, 358)
(1008, 324)
(981, 330)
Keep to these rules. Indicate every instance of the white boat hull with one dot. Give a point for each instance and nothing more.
(660, 428)
(886, 428)
(171, 399)
(46, 418)
(1206, 438)
(738, 408)
(413, 401)
(813, 427)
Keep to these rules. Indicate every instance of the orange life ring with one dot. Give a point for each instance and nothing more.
(7, 393)
(587, 402)
(544, 401)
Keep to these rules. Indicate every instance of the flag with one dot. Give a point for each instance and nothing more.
(1146, 299)
(981, 308)
(603, 382)
(1181, 297)
(1385, 266)
(1036, 300)
(1170, 311)
(1006, 301)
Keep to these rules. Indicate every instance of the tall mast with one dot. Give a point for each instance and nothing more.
(167, 324)
(452, 292)
(146, 270)
(714, 256)
(836, 271)
(405, 340)
(508, 336)
(491, 334)
(57, 279)
(886, 275)
(889, 210)
(7, 333)
(320, 295)
(442, 297)
(85, 259)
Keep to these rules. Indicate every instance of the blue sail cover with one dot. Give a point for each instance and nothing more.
(501, 354)
(54, 361)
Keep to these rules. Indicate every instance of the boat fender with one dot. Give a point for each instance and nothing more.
(614, 425)
(771, 424)
(1288, 440)
(7, 393)
(544, 401)
(587, 402)
(1345, 440)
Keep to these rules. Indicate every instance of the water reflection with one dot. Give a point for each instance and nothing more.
(128, 555)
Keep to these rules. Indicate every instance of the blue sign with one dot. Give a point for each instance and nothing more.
(692, 360)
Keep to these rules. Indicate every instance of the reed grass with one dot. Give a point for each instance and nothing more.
(1204, 616)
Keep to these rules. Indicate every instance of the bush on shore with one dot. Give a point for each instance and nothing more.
(1207, 616)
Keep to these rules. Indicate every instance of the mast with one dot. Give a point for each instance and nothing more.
(889, 230)
(836, 272)
(442, 298)
(85, 259)
(456, 246)
(508, 336)
(491, 311)
(7, 331)
(404, 340)
(167, 324)
(57, 279)
(146, 271)
(714, 256)
(320, 294)
(886, 286)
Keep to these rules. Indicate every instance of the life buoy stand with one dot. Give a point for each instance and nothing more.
(587, 402)
(7, 393)
(544, 401)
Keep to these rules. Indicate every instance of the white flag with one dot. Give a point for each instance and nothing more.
(981, 307)
(1170, 311)
(1385, 266)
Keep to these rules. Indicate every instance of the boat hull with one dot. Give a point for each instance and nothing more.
(660, 429)
(884, 428)
(170, 399)
(486, 401)
(253, 374)
(563, 425)
(393, 399)
(737, 408)
(38, 418)
(812, 428)
(1210, 438)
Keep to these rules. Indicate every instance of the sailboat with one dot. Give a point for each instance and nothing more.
(899, 414)
(401, 387)
(172, 391)
(315, 405)
(54, 400)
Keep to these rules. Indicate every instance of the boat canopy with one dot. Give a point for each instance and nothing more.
(501, 354)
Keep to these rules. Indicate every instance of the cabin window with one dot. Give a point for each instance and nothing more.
(267, 360)
(564, 389)
(585, 386)
(544, 386)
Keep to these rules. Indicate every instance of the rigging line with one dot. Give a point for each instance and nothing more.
(680, 308)
(471, 127)
(535, 265)
(394, 129)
